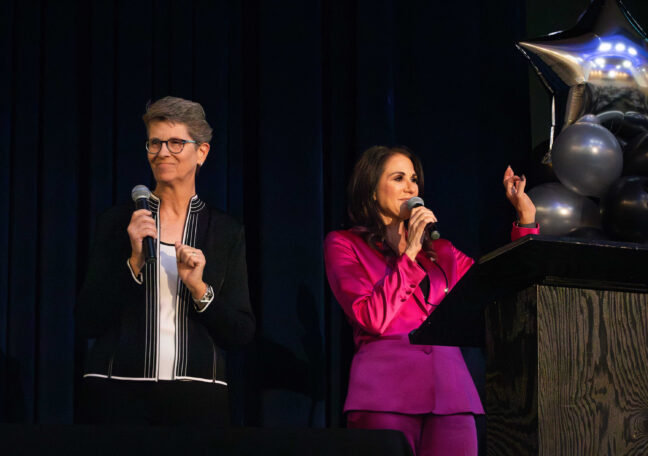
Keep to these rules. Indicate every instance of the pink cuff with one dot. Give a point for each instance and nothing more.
(411, 269)
(518, 232)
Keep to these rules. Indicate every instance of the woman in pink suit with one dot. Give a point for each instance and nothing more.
(388, 277)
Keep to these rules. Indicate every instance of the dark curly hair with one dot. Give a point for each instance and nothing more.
(363, 209)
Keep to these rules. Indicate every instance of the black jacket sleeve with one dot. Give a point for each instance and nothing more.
(229, 318)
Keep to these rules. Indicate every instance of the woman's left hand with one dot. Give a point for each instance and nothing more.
(191, 264)
(514, 186)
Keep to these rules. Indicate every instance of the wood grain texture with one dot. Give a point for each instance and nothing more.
(592, 372)
(567, 373)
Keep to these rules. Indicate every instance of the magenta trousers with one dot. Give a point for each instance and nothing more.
(428, 435)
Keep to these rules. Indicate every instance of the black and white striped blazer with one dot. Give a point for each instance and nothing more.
(123, 314)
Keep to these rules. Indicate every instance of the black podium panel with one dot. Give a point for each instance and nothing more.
(572, 262)
(566, 344)
(534, 259)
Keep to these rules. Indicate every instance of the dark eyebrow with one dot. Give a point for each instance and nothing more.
(401, 173)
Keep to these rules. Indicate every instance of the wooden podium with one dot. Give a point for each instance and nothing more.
(566, 345)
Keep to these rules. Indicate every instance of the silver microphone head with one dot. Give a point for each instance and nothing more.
(140, 191)
(415, 202)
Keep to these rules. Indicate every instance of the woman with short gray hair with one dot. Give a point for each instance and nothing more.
(162, 319)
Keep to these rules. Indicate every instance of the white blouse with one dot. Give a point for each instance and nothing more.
(168, 295)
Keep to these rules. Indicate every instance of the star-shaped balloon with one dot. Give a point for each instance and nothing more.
(604, 54)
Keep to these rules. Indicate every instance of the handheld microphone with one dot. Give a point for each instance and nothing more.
(140, 195)
(431, 229)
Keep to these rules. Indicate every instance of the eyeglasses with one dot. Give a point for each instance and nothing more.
(175, 145)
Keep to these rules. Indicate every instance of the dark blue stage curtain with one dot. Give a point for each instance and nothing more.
(294, 90)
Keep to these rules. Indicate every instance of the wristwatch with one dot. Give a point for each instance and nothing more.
(205, 299)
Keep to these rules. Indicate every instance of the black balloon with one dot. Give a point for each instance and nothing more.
(635, 160)
(624, 209)
(625, 127)
(609, 118)
(636, 118)
(588, 232)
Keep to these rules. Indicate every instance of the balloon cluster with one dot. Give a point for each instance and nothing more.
(590, 162)
(597, 73)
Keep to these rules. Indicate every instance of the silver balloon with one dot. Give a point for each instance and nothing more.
(559, 210)
(606, 50)
(591, 118)
(587, 158)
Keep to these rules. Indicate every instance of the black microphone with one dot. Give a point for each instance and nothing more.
(431, 229)
(140, 195)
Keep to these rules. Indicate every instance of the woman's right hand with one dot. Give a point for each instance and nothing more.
(523, 205)
(141, 225)
(419, 220)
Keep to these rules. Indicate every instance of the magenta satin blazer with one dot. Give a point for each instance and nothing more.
(383, 302)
